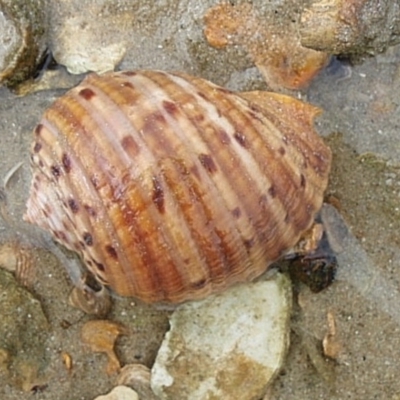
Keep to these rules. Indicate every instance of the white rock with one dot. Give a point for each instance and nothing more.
(90, 37)
(120, 393)
(228, 346)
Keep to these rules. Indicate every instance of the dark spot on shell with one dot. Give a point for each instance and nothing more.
(170, 107)
(249, 243)
(60, 235)
(199, 284)
(112, 252)
(86, 93)
(198, 118)
(287, 218)
(95, 181)
(127, 84)
(224, 90)
(88, 238)
(223, 136)
(208, 163)
(37, 147)
(100, 266)
(82, 244)
(41, 165)
(153, 123)
(38, 129)
(129, 73)
(282, 151)
(55, 170)
(73, 205)
(130, 146)
(236, 212)
(241, 139)
(90, 210)
(66, 162)
(302, 181)
(89, 262)
(202, 95)
(158, 194)
(272, 191)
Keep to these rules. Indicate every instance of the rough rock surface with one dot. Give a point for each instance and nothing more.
(22, 39)
(352, 27)
(23, 333)
(228, 346)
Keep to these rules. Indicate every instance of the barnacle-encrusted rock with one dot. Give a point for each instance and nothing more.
(353, 27)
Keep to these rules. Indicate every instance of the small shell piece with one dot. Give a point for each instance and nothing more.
(100, 336)
(171, 187)
(89, 300)
(19, 259)
(137, 377)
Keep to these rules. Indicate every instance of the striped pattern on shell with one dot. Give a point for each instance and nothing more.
(171, 187)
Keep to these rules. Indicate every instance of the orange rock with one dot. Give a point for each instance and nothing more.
(276, 50)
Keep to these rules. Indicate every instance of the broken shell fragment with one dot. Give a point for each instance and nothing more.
(67, 360)
(172, 188)
(100, 336)
(330, 343)
(137, 377)
(18, 259)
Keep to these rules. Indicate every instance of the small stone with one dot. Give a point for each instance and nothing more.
(227, 346)
(120, 393)
(84, 42)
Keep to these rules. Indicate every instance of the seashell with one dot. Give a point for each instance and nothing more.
(172, 188)
(89, 300)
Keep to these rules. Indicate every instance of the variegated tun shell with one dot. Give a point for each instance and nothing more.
(171, 187)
